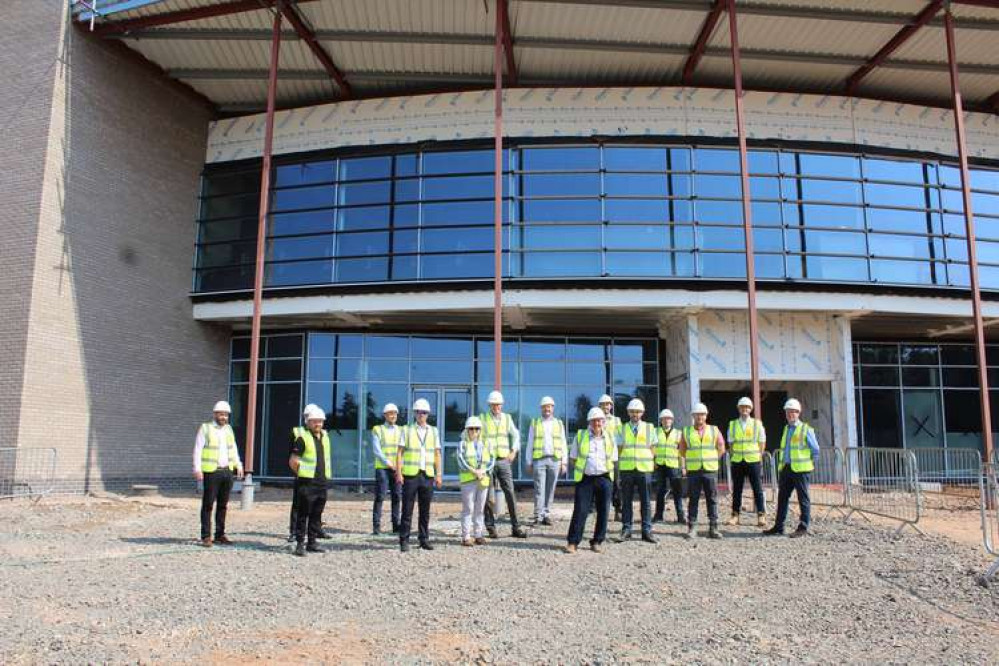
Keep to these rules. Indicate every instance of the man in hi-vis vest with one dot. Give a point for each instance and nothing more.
(500, 433)
(612, 426)
(702, 446)
(635, 463)
(592, 459)
(548, 455)
(216, 460)
(310, 459)
(796, 460)
(385, 440)
(293, 520)
(418, 468)
(669, 472)
(747, 440)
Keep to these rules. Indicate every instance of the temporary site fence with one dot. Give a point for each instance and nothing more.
(951, 472)
(26, 472)
(990, 520)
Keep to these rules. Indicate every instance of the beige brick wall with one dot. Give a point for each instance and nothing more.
(116, 372)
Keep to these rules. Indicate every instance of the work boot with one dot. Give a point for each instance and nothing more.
(314, 548)
(800, 532)
(425, 545)
(291, 538)
(570, 548)
(774, 531)
(223, 540)
(323, 534)
(300, 550)
(547, 521)
(479, 541)
(691, 532)
(206, 542)
(491, 531)
(403, 546)
(467, 542)
(518, 533)
(648, 538)
(376, 531)
(625, 536)
(761, 520)
(596, 547)
(734, 520)
(713, 532)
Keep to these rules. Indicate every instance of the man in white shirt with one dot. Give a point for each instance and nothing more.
(216, 460)
(548, 456)
(592, 459)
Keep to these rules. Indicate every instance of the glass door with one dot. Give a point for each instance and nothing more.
(455, 402)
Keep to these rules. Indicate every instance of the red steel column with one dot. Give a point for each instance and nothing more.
(969, 223)
(498, 204)
(747, 213)
(258, 279)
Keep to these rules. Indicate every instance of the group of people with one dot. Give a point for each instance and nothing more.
(610, 461)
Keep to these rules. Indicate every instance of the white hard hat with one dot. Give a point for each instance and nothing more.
(636, 405)
(389, 407)
(745, 402)
(595, 413)
(314, 412)
(547, 400)
(699, 408)
(308, 408)
(792, 404)
(605, 398)
(495, 398)
(421, 405)
(222, 406)
(473, 422)
(665, 414)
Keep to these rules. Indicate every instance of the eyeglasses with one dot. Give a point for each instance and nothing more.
(421, 412)
(473, 428)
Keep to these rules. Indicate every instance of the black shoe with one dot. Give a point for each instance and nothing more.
(648, 538)
(395, 529)
(300, 550)
(425, 545)
(491, 531)
(519, 534)
(713, 532)
(323, 534)
(798, 533)
(625, 536)
(680, 520)
(291, 538)
(657, 519)
(404, 546)
(774, 531)
(547, 521)
(376, 531)
(314, 548)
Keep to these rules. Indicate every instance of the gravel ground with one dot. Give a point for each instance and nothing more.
(114, 581)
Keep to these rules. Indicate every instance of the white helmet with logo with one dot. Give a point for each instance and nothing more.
(222, 406)
(313, 412)
(745, 402)
(636, 405)
(699, 408)
(792, 404)
(665, 414)
(604, 399)
(473, 422)
(421, 405)
(495, 398)
(390, 407)
(595, 413)
(547, 400)
(308, 408)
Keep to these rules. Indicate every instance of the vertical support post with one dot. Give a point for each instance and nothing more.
(258, 277)
(969, 224)
(747, 213)
(498, 204)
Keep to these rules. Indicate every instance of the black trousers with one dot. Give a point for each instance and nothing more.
(708, 482)
(502, 477)
(740, 472)
(417, 489)
(799, 483)
(631, 481)
(590, 490)
(385, 485)
(293, 519)
(216, 488)
(311, 500)
(669, 480)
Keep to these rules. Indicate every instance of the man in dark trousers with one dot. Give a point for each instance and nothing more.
(293, 519)
(310, 460)
(796, 461)
(216, 460)
(591, 459)
(702, 447)
(418, 468)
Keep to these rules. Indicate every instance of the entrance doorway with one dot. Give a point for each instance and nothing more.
(454, 403)
(722, 409)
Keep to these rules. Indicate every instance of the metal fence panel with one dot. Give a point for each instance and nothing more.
(990, 520)
(26, 472)
(883, 482)
(953, 472)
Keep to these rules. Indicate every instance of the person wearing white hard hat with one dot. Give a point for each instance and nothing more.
(474, 464)
(385, 440)
(747, 440)
(702, 446)
(297, 432)
(612, 426)
(418, 468)
(216, 461)
(503, 437)
(796, 460)
(669, 473)
(311, 461)
(592, 459)
(635, 464)
(548, 457)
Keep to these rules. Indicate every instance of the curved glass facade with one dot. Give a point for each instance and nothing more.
(645, 211)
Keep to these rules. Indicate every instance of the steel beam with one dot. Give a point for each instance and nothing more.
(306, 34)
(701, 43)
(503, 10)
(969, 224)
(498, 202)
(183, 16)
(900, 38)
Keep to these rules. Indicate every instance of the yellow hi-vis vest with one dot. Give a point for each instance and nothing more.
(558, 439)
(701, 451)
(801, 453)
(612, 426)
(307, 461)
(389, 440)
(478, 462)
(584, 452)
(745, 441)
(497, 435)
(667, 449)
(412, 448)
(635, 451)
(214, 438)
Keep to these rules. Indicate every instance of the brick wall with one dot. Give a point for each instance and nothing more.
(117, 373)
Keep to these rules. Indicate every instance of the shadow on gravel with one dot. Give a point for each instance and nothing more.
(978, 622)
(161, 541)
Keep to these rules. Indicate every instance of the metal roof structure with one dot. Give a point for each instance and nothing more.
(343, 49)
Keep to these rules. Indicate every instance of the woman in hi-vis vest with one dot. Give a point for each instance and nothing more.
(475, 462)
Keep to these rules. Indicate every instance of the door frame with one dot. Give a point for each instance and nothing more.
(447, 447)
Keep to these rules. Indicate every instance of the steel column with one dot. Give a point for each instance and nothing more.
(747, 213)
(258, 278)
(498, 202)
(969, 223)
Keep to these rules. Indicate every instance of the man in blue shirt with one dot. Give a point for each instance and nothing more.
(796, 460)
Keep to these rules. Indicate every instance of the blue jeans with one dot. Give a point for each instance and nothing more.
(385, 484)
(798, 482)
(630, 480)
(588, 489)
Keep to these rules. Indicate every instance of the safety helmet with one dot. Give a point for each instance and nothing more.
(390, 407)
(792, 404)
(665, 414)
(421, 405)
(473, 422)
(313, 412)
(495, 398)
(745, 402)
(636, 405)
(595, 413)
(699, 408)
(547, 400)
(308, 408)
(605, 399)
(222, 406)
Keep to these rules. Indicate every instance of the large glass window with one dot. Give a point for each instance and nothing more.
(596, 210)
